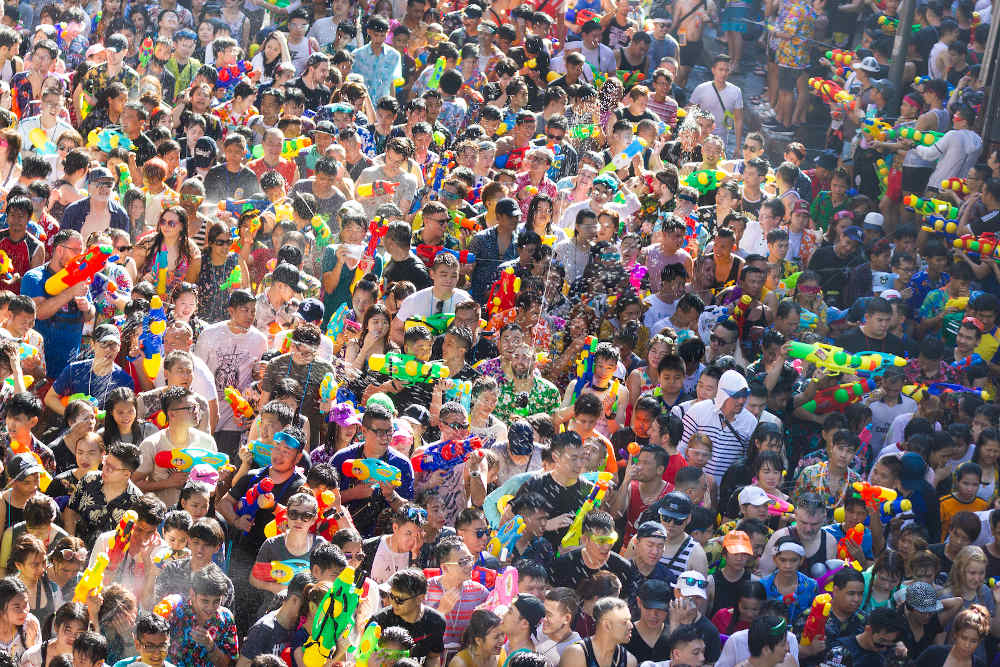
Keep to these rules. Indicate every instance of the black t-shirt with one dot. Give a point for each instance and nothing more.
(144, 149)
(411, 269)
(570, 570)
(832, 270)
(315, 97)
(935, 656)
(251, 542)
(624, 114)
(856, 341)
(427, 632)
(220, 183)
(483, 349)
(990, 222)
(859, 657)
(559, 500)
(642, 651)
(931, 630)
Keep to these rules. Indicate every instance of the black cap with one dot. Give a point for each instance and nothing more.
(21, 465)
(288, 274)
(655, 594)
(99, 174)
(117, 43)
(675, 505)
(311, 310)
(473, 12)
(418, 414)
(240, 297)
(326, 127)
(205, 152)
(508, 206)
(826, 160)
(531, 609)
(651, 529)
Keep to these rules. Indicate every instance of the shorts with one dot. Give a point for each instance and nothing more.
(730, 20)
(788, 77)
(915, 179)
(692, 53)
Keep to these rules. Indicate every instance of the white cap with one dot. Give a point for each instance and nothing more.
(874, 219)
(692, 582)
(753, 495)
(890, 294)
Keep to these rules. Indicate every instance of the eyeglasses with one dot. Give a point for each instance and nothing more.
(74, 555)
(399, 599)
(742, 393)
(219, 242)
(458, 426)
(691, 581)
(719, 340)
(189, 197)
(155, 648)
(606, 540)
(381, 433)
(349, 555)
(669, 519)
(182, 408)
(112, 468)
(170, 223)
(103, 185)
(303, 515)
(468, 561)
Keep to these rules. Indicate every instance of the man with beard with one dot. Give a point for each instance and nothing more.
(527, 393)
(607, 645)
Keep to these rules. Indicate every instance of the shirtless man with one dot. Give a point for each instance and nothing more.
(689, 21)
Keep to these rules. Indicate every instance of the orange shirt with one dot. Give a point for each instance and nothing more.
(285, 167)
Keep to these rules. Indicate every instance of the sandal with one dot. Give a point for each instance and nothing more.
(760, 70)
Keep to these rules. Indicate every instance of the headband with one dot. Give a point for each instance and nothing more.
(912, 102)
(793, 547)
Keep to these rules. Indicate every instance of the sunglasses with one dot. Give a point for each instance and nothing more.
(74, 555)
(448, 194)
(468, 561)
(349, 555)
(669, 519)
(171, 223)
(192, 197)
(399, 599)
(482, 532)
(691, 581)
(606, 540)
(458, 426)
(220, 242)
(742, 393)
(301, 515)
(123, 248)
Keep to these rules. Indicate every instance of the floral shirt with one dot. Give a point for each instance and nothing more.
(378, 71)
(822, 209)
(224, 112)
(453, 113)
(947, 373)
(97, 79)
(492, 368)
(800, 602)
(543, 397)
(97, 514)
(814, 480)
(797, 18)
(922, 285)
(185, 651)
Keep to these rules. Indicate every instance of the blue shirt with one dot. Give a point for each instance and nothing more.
(77, 212)
(78, 378)
(62, 332)
(366, 510)
(486, 246)
(378, 71)
(804, 594)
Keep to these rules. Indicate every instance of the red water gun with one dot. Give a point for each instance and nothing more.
(122, 539)
(428, 252)
(855, 534)
(740, 311)
(446, 455)
(376, 230)
(815, 627)
(80, 268)
(377, 188)
(874, 495)
(836, 399)
(229, 76)
(503, 292)
(241, 406)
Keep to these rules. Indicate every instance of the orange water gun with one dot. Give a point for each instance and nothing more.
(855, 534)
(241, 406)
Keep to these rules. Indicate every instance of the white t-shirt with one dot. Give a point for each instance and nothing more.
(202, 382)
(387, 562)
(423, 303)
(159, 442)
(737, 649)
(753, 240)
(230, 358)
(705, 97)
(882, 418)
(936, 50)
(658, 310)
(603, 58)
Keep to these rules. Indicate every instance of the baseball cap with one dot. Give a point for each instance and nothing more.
(920, 596)
(311, 310)
(692, 582)
(105, 332)
(240, 297)
(753, 495)
(116, 43)
(508, 206)
(417, 415)
(531, 608)
(826, 160)
(675, 505)
(22, 465)
(737, 542)
(868, 64)
(651, 529)
(473, 12)
(655, 594)
(94, 49)
(326, 127)
(487, 27)
(874, 219)
(854, 233)
(205, 152)
(289, 275)
(98, 174)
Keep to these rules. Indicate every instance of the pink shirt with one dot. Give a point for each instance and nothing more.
(456, 620)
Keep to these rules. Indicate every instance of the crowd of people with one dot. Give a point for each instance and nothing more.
(408, 333)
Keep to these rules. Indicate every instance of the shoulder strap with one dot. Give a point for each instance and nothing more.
(717, 95)
(670, 565)
(690, 13)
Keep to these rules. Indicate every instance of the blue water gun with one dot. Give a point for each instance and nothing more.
(335, 326)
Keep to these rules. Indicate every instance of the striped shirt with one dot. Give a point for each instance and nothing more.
(456, 620)
(728, 444)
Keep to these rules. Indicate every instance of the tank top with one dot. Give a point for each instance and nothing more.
(14, 515)
(626, 64)
(636, 506)
(911, 159)
(818, 557)
(727, 593)
(677, 563)
(619, 659)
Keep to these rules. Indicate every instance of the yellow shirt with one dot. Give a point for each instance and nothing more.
(950, 506)
(987, 347)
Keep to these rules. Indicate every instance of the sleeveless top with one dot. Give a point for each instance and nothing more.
(619, 659)
(818, 557)
(636, 507)
(727, 592)
(911, 159)
(626, 64)
(677, 563)
(14, 515)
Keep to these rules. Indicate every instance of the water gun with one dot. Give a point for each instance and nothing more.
(238, 207)
(230, 75)
(854, 534)
(920, 80)
(234, 280)
(839, 397)
(936, 225)
(831, 357)
(66, 33)
(446, 455)
(428, 252)
(923, 137)
(887, 510)
(407, 367)
(335, 326)
(876, 128)
(984, 245)
(26, 351)
(503, 540)
(321, 231)
(368, 644)
(815, 627)
(80, 268)
(438, 323)
(328, 388)
(188, 457)
(884, 358)
(890, 23)
(585, 366)
(873, 494)
(919, 392)
(623, 159)
(740, 310)
(594, 499)
(958, 303)
(958, 185)
(107, 140)
(145, 52)
(92, 580)
(377, 229)
(586, 131)
(778, 507)
(967, 362)
(122, 539)
(279, 571)
(882, 172)
(629, 77)
(279, 3)
(705, 180)
(151, 340)
(372, 471)
(291, 148)
(261, 452)
(503, 292)
(435, 80)
(258, 497)
(930, 207)
(124, 180)
(334, 619)
(829, 569)
(79, 396)
(469, 224)
(480, 574)
(165, 607)
(841, 58)
(832, 94)
(160, 268)
(459, 390)
(377, 188)
(600, 78)
(241, 406)
(158, 419)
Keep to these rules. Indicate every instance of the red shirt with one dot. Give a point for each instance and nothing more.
(285, 167)
(20, 256)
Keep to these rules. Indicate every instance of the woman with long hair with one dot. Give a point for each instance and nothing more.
(123, 426)
(69, 621)
(986, 454)
(185, 298)
(482, 421)
(967, 578)
(10, 148)
(108, 108)
(273, 52)
(217, 264)
(27, 563)
(970, 628)
(67, 558)
(183, 258)
(79, 418)
(646, 376)
(19, 629)
(752, 597)
(295, 542)
(374, 338)
(767, 437)
(482, 642)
